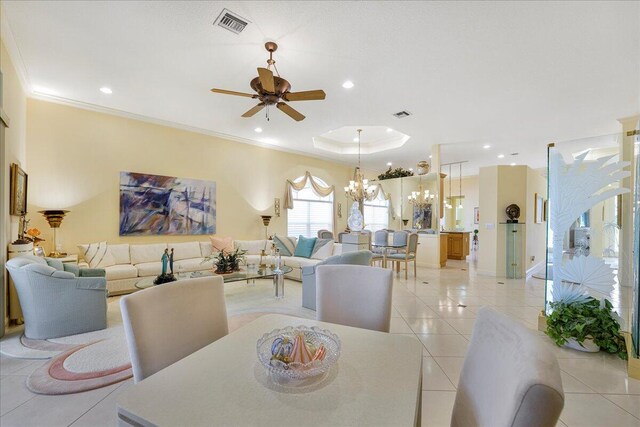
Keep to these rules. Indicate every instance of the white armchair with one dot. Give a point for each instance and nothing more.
(57, 303)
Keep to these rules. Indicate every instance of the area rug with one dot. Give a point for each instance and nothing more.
(76, 363)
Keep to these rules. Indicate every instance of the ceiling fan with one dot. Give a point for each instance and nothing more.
(274, 90)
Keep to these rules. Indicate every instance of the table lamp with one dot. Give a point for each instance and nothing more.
(54, 218)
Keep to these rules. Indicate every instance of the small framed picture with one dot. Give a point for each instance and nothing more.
(476, 215)
(18, 185)
(538, 209)
(546, 210)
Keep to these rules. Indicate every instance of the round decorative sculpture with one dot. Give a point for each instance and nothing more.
(356, 220)
(423, 168)
(513, 212)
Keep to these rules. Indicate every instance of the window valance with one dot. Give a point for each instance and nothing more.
(317, 187)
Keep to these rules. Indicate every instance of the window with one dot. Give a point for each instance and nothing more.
(310, 212)
(376, 213)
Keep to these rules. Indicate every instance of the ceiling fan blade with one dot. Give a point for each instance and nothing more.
(266, 80)
(254, 110)
(308, 95)
(231, 92)
(294, 114)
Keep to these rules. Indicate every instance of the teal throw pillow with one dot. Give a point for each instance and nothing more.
(305, 245)
(286, 245)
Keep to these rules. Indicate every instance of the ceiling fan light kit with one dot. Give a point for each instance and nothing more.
(274, 90)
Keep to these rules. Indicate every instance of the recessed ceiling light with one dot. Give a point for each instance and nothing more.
(355, 139)
(430, 156)
(389, 163)
(513, 164)
(411, 169)
(501, 156)
(389, 130)
(106, 90)
(258, 130)
(348, 84)
(486, 146)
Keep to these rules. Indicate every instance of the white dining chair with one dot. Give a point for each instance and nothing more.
(354, 295)
(509, 377)
(168, 322)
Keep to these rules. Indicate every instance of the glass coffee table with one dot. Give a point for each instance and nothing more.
(236, 276)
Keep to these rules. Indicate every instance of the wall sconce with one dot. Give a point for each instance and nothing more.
(339, 210)
(276, 207)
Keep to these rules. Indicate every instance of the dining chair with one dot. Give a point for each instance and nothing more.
(509, 377)
(380, 237)
(325, 234)
(409, 255)
(341, 235)
(168, 322)
(354, 295)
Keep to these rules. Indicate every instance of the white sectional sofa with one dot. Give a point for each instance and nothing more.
(134, 261)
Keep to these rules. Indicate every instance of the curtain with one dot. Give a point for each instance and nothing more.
(319, 189)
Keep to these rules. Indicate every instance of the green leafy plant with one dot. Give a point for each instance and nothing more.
(592, 319)
(394, 173)
(226, 262)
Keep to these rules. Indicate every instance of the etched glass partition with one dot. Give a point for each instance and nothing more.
(584, 227)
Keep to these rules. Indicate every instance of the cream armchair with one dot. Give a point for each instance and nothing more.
(57, 303)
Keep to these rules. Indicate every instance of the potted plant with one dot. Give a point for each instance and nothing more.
(394, 173)
(226, 262)
(585, 323)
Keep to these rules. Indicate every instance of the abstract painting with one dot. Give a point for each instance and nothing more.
(422, 217)
(166, 205)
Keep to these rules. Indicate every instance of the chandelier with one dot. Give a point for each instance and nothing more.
(421, 199)
(359, 189)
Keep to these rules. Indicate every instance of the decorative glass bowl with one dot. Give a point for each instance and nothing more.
(273, 345)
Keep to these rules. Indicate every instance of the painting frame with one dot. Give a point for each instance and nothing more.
(19, 181)
(155, 205)
(538, 208)
(476, 215)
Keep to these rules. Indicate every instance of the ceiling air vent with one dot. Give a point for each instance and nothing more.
(231, 21)
(402, 114)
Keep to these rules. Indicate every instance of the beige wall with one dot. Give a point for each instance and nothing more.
(76, 156)
(500, 186)
(487, 235)
(536, 242)
(13, 151)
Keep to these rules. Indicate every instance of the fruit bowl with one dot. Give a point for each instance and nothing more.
(298, 352)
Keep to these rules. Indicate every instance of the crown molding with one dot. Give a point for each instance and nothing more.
(175, 125)
(14, 53)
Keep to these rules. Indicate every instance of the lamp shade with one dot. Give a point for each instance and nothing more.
(54, 217)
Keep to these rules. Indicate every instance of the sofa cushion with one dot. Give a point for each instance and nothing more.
(337, 248)
(186, 250)
(121, 271)
(286, 245)
(97, 254)
(323, 249)
(55, 263)
(149, 268)
(253, 247)
(120, 253)
(305, 246)
(219, 244)
(298, 262)
(147, 253)
(71, 268)
(192, 264)
(206, 249)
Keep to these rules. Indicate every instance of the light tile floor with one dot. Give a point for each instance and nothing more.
(597, 390)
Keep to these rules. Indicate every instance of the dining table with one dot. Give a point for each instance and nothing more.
(386, 248)
(376, 381)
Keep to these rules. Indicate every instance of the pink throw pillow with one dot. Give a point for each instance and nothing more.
(220, 244)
